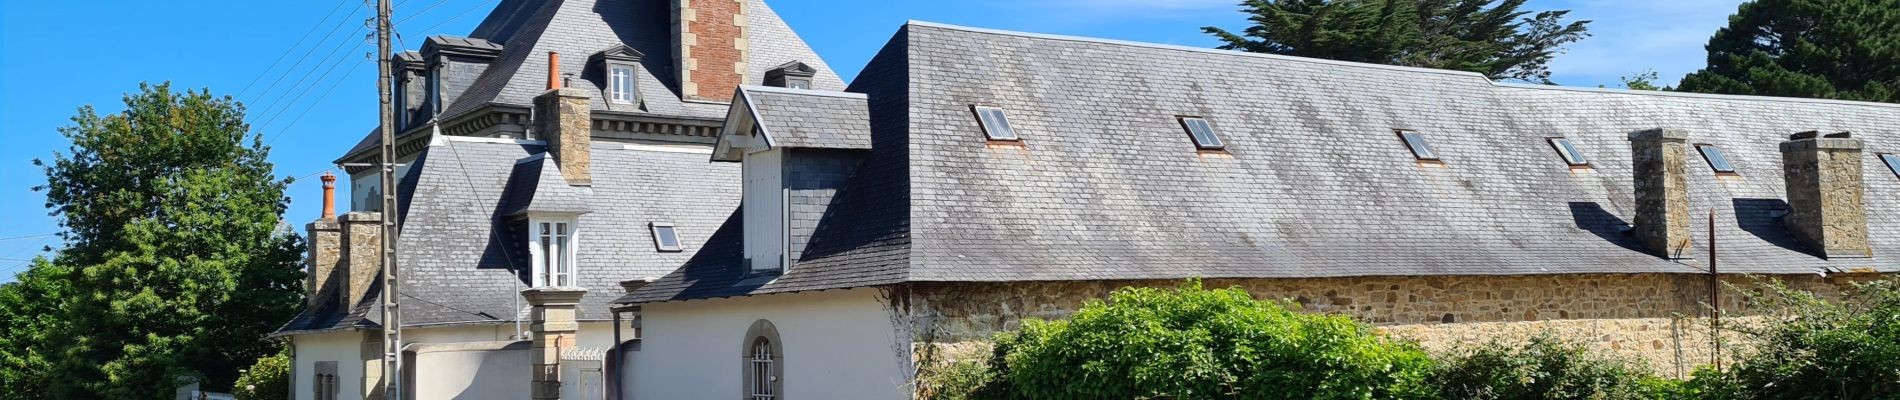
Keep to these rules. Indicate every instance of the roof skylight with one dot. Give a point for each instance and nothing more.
(1716, 160)
(1202, 132)
(1893, 162)
(1569, 151)
(665, 238)
(1419, 147)
(995, 124)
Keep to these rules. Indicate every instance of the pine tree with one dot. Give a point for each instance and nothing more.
(1491, 37)
(1831, 49)
(178, 263)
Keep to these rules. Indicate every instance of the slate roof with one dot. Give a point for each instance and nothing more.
(528, 29)
(536, 185)
(1314, 182)
(457, 256)
(811, 118)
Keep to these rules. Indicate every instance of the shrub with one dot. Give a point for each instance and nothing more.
(268, 379)
(1545, 367)
(1813, 349)
(1196, 343)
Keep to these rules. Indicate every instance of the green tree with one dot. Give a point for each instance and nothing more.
(1831, 49)
(268, 379)
(30, 314)
(1193, 343)
(178, 267)
(1491, 37)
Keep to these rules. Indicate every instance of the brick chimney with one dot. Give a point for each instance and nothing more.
(1825, 194)
(326, 251)
(709, 40)
(1662, 190)
(553, 331)
(563, 119)
(362, 246)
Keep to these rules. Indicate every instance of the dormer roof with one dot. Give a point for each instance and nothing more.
(764, 117)
(537, 187)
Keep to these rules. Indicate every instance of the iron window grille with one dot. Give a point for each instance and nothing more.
(761, 364)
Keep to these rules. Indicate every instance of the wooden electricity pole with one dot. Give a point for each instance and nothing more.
(392, 286)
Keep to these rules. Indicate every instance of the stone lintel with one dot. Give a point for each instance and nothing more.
(554, 295)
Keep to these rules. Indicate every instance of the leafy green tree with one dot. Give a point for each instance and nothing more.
(1831, 49)
(1193, 343)
(1491, 37)
(268, 379)
(178, 267)
(30, 316)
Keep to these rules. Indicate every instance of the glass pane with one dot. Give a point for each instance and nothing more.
(995, 124)
(1893, 163)
(1203, 133)
(668, 239)
(1419, 148)
(1716, 159)
(1569, 151)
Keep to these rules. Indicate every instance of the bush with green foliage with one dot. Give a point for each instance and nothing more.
(1545, 367)
(1815, 349)
(1196, 343)
(268, 379)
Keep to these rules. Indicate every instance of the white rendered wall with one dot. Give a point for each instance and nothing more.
(838, 345)
(473, 371)
(345, 348)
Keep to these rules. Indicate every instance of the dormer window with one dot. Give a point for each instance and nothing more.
(551, 245)
(1420, 149)
(616, 69)
(1716, 159)
(795, 75)
(1569, 152)
(1202, 132)
(995, 124)
(665, 238)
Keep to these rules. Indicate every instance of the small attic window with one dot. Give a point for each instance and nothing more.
(1417, 143)
(995, 124)
(795, 75)
(620, 83)
(1569, 152)
(1202, 132)
(1716, 159)
(1893, 163)
(665, 238)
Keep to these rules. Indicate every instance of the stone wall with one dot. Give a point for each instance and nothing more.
(1660, 319)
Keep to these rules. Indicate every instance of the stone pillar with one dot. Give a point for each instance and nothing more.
(362, 259)
(553, 330)
(1660, 158)
(564, 120)
(709, 42)
(1825, 194)
(326, 254)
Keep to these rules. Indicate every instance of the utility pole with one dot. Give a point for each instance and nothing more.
(392, 286)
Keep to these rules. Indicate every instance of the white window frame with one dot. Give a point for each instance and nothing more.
(616, 93)
(659, 244)
(1568, 150)
(552, 228)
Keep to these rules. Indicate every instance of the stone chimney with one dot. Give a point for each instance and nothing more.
(1660, 159)
(553, 329)
(1825, 194)
(709, 40)
(362, 245)
(563, 119)
(326, 251)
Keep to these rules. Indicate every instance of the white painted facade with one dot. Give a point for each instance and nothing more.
(449, 372)
(765, 225)
(838, 345)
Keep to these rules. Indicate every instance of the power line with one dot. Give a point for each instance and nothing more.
(419, 13)
(293, 47)
(458, 15)
(306, 110)
(293, 101)
(29, 236)
(306, 56)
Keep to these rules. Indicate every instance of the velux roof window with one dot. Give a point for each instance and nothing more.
(1569, 152)
(1893, 162)
(665, 239)
(1417, 143)
(995, 124)
(1716, 160)
(1202, 133)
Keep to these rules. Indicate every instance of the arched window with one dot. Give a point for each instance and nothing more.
(764, 362)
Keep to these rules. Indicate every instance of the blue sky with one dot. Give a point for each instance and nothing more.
(58, 55)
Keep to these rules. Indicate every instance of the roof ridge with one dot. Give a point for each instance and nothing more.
(805, 92)
(1506, 85)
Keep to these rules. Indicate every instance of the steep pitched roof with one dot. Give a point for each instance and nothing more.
(1314, 183)
(795, 118)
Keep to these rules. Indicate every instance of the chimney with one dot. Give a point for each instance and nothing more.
(362, 245)
(329, 195)
(1662, 190)
(709, 40)
(1825, 194)
(563, 119)
(321, 284)
(553, 329)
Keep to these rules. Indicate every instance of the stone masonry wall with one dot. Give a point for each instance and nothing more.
(1656, 318)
